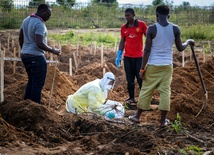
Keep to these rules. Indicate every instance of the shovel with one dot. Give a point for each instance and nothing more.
(202, 81)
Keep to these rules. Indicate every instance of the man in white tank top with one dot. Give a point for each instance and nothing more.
(156, 69)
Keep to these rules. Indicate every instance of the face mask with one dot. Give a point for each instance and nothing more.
(108, 87)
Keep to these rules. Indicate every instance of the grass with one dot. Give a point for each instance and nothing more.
(198, 32)
(89, 36)
(108, 38)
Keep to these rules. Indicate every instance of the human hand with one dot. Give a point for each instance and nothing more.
(118, 58)
(56, 51)
(191, 42)
(141, 74)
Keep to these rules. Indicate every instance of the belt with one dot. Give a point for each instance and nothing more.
(26, 55)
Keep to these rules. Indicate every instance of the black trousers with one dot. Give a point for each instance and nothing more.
(132, 68)
(36, 68)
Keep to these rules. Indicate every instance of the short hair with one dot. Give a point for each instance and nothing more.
(43, 7)
(162, 9)
(130, 10)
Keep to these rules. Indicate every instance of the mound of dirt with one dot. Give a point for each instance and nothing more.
(29, 128)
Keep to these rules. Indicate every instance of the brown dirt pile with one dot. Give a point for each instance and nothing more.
(29, 128)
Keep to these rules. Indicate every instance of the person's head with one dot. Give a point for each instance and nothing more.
(108, 81)
(129, 14)
(44, 11)
(162, 10)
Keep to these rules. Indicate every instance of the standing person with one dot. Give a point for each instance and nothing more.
(156, 70)
(132, 41)
(33, 42)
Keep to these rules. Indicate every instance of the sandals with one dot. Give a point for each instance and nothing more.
(130, 104)
(133, 119)
(167, 123)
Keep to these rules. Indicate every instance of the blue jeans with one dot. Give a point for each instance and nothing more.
(132, 68)
(36, 68)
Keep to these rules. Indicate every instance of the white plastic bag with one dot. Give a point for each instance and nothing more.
(113, 109)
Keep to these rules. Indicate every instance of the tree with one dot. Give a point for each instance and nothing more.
(186, 5)
(6, 5)
(66, 3)
(104, 1)
(36, 2)
(157, 2)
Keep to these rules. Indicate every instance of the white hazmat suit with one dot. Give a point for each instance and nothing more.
(91, 96)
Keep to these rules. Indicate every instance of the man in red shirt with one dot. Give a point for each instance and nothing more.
(132, 41)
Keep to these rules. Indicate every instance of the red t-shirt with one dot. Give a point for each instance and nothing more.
(134, 38)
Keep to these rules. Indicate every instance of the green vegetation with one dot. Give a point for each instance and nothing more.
(176, 125)
(6, 5)
(195, 22)
(192, 149)
(196, 32)
(108, 39)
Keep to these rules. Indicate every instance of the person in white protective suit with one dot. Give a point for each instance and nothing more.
(91, 96)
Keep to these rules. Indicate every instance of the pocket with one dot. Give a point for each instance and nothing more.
(39, 65)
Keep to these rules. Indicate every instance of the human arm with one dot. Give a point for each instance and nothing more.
(179, 45)
(144, 28)
(120, 52)
(43, 46)
(147, 49)
(95, 101)
(21, 38)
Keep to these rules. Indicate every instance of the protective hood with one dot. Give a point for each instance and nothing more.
(108, 81)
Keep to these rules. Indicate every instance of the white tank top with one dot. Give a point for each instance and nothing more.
(161, 50)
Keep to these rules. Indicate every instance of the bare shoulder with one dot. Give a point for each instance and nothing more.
(152, 28)
(176, 28)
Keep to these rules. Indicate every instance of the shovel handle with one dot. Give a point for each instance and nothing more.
(198, 68)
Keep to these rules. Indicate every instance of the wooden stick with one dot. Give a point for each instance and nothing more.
(51, 56)
(8, 42)
(70, 66)
(82, 43)
(77, 47)
(14, 62)
(75, 60)
(194, 138)
(2, 74)
(19, 51)
(60, 47)
(12, 43)
(183, 59)
(104, 67)
(209, 44)
(95, 48)
(204, 58)
(91, 48)
(18, 59)
(102, 60)
(80, 61)
(52, 86)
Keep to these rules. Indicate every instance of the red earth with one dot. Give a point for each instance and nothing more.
(29, 128)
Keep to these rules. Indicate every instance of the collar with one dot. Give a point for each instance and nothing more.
(135, 23)
(34, 15)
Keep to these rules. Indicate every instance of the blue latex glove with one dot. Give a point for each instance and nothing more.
(118, 59)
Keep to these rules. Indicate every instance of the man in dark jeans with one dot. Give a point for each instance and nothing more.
(32, 40)
(132, 41)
